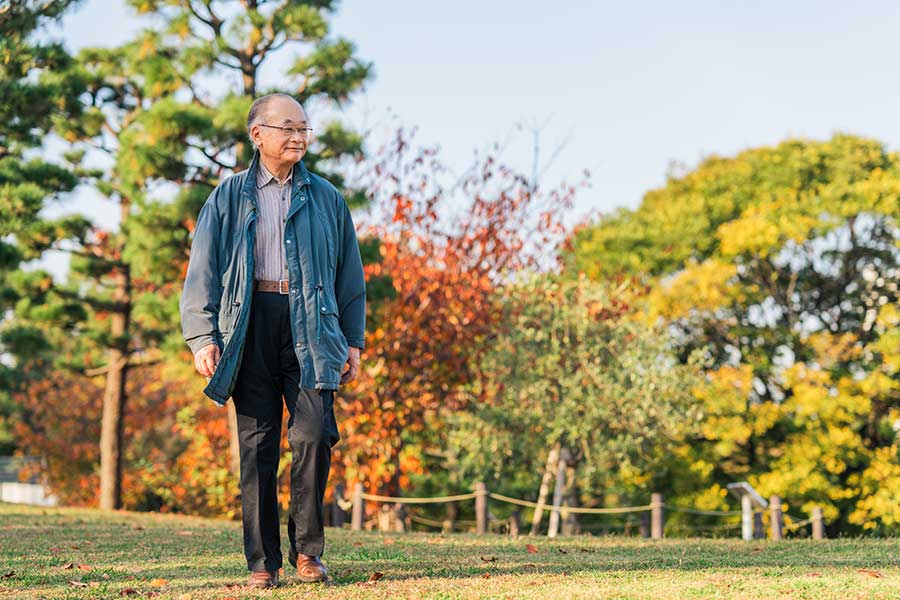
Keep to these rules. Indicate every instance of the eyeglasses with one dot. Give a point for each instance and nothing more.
(289, 131)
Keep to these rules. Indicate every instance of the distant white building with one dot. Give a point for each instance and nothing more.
(18, 488)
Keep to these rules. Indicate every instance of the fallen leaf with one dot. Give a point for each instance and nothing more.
(74, 546)
(486, 575)
(488, 559)
(563, 551)
(8, 575)
(373, 578)
(128, 592)
(139, 528)
(77, 583)
(185, 532)
(69, 566)
(185, 597)
(55, 549)
(85, 567)
(813, 574)
(389, 541)
(159, 582)
(531, 548)
(357, 544)
(870, 572)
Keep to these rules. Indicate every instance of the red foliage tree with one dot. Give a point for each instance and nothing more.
(445, 251)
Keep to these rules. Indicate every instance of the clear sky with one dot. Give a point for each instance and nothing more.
(624, 88)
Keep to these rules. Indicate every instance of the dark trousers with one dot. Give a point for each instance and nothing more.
(270, 371)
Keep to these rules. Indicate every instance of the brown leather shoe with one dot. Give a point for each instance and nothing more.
(310, 569)
(263, 579)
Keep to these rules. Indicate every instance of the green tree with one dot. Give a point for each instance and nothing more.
(782, 264)
(570, 368)
(32, 95)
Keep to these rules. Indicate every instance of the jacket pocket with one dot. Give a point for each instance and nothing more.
(329, 336)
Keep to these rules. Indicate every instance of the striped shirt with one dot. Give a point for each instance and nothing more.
(273, 199)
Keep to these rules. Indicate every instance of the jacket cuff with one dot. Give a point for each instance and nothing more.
(356, 343)
(201, 341)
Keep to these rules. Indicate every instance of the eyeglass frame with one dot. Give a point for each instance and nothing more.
(304, 132)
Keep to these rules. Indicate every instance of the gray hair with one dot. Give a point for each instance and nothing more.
(258, 108)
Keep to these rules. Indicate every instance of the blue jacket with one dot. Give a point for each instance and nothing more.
(326, 281)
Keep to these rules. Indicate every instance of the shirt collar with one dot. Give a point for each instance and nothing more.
(263, 176)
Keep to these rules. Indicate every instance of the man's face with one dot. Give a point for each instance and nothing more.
(278, 145)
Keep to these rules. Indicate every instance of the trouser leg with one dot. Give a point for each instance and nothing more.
(312, 432)
(257, 398)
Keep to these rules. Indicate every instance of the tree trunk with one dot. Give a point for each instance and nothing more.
(112, 424)
(549, 470)
(570, 524)
(553, 528)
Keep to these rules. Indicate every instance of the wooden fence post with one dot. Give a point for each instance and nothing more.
(356, 519)
(338, 516)
(448, 525)
(657, 519)
(776, 519)
(645, 524)
(481, 520)
(818, 523)
(514, 523)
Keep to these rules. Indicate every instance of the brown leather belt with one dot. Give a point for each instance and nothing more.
(280, 286)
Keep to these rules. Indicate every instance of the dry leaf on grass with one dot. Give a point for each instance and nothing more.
(531, 548)
(389, 541)
(85, 567)
(8, 575)
(814, 574)
(159, 582)
(486, 575)
(373, 578)
(870, 572)
(563, 551)
(128, 592)
(488, 558)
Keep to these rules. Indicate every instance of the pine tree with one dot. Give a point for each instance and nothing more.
(32, 96)
(144, 111)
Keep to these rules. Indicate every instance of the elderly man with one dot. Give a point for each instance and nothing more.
(273, 308)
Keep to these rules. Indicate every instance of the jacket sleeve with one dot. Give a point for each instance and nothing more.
(202, 290)
(350, 280)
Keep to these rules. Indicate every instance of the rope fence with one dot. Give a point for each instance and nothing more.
(396, 518)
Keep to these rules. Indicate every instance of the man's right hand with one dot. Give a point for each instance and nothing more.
(207, 358)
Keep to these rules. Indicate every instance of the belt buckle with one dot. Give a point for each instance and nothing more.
(283, 286)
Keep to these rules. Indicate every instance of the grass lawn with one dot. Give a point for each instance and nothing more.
(79, 553)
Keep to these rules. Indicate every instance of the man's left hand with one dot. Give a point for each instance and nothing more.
(352, 360)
